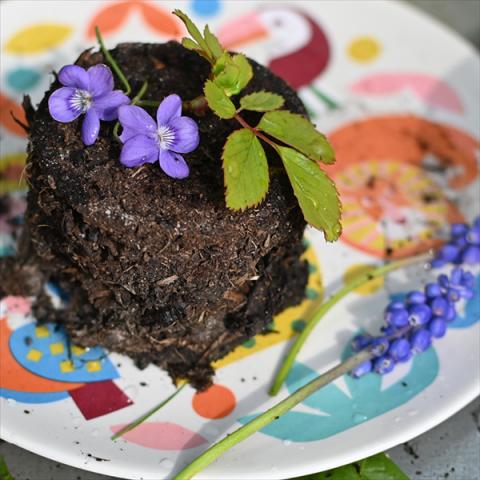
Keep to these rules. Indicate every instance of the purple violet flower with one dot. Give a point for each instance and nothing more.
(89, 92)
(147, 141)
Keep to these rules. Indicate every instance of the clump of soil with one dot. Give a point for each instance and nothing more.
(156, 268)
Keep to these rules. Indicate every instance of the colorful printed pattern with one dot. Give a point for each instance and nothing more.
(338, 411)
(385, 212)
(39, 366)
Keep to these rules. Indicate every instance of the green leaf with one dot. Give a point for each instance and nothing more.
(245, 170)
(232, 73)
(315, 192)
(245, 71)
(219, 65)
(227, 79)
(298, 132)
(212, 42)
(4, 472)
(218, 100)
(378, 467)
(261, 101)
(192, 29)
(190, 44)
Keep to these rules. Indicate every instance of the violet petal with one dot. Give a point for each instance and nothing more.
(127, 134)
(90, 127)
(186, 135)
(74, 76)
(107, 105)
(139, 150)
(173, 164)
(100, 80)
(60, 107)
(135, 121)
(169, 108)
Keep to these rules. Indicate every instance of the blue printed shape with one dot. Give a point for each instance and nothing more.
(472, 310)
(23, 79)
(339, 412)
(45, 355)
(206, 8)
(33, 397)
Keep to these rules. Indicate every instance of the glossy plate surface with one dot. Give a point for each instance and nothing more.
(398, 96)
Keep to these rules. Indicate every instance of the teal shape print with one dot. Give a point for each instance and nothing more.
(338, 411)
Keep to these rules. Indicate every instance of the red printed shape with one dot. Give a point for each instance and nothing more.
(110, 18)
(161, 21)
(162, 436)
(215, 402)
(9, 110)
(99, 398)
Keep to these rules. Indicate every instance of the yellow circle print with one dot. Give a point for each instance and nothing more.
(364, 49)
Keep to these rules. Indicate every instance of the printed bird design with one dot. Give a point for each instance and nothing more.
(37, 365)
(297, 47)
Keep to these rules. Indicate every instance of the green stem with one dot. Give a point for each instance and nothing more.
(147, 415)
(140, 93)
(112, 62)
(328, 101)
(326, 306)
(270, 415)
(148, 103)
(135, 101)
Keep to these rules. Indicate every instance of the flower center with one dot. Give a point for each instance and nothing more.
(81, 100)
(165, 136)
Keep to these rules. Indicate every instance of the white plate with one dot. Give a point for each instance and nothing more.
(384, 59)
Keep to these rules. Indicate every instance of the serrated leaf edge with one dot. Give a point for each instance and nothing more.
(258, 92)
(253, 205)
(340, 205)
(208, 82)
(301, 117)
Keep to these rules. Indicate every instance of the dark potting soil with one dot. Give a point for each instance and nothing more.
(156, 268)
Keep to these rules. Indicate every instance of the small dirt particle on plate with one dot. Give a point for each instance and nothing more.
(27, 412)
(409, 449)
(98, 459)
(143, 384)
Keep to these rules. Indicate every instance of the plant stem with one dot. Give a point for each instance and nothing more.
(270, 415)
(112, 62)
(326, 306)
(147, 415)
(140, 93)
(244, 124)
(148, 103)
